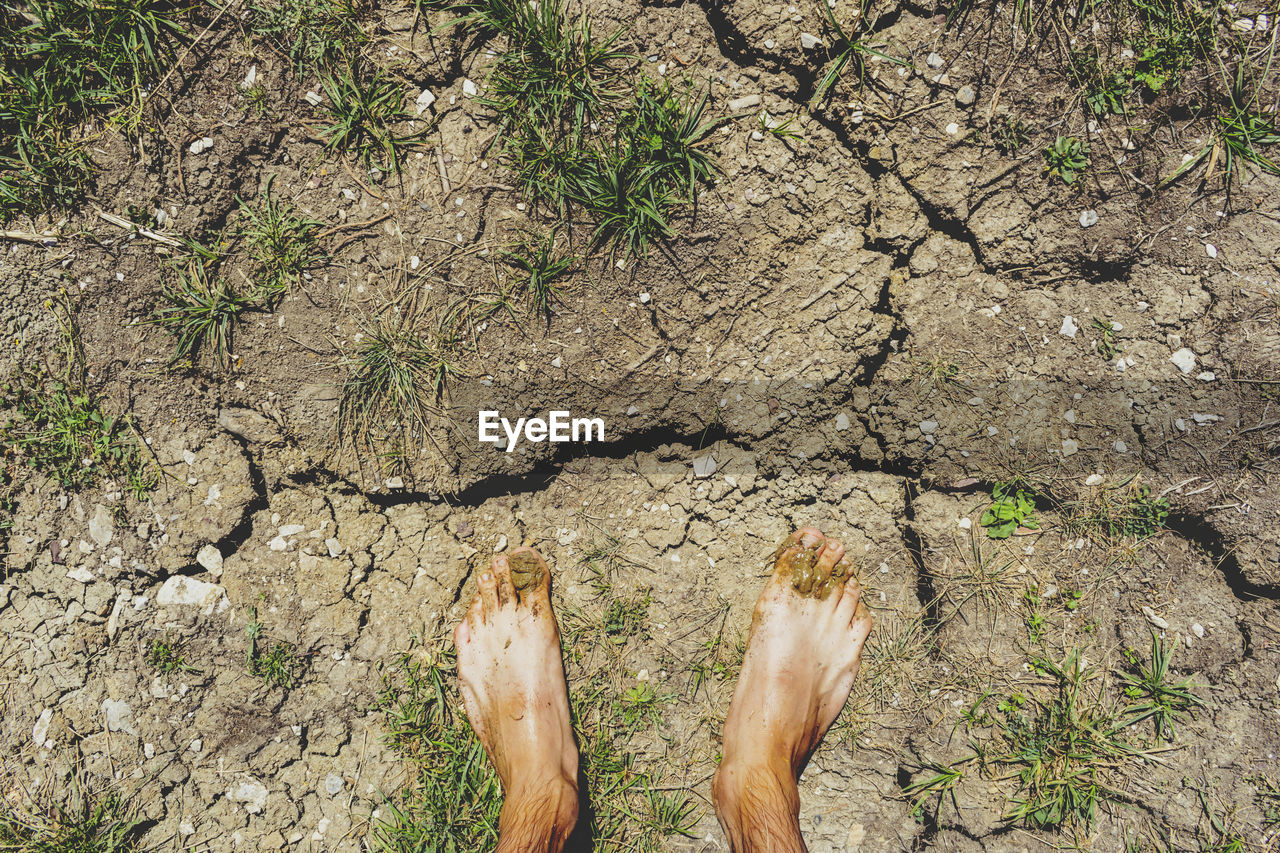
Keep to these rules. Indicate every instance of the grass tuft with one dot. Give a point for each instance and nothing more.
(312, 33)
(201, 313)
(278, 664)
(1153, 695)
(66, 63)
(364, 108)
(59, 428)
(393, 379)
(281, 242)
(85, 825)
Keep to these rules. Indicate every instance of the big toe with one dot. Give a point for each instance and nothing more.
(529, 572)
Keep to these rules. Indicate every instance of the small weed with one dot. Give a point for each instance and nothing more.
(1121, 511)
(1012, 507)
(59, 428)
(1153, 696)
(780, 128)
(849, 49)
(280, 241)
(1066, 158)
(941, 784)
(669, 813)
(364, 108)
(279, 665)
(542, 269)
(1105, 90)
(201, 313)
(895, 655)
(1239, 134)
(626, 617)
(165, 655)
(85, 825)
(1106, 343)
(1267, 800)
(1009, 133)
(1035, 617)
(312, 33)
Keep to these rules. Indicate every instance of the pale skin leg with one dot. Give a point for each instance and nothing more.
(513, 687)
(801, 661)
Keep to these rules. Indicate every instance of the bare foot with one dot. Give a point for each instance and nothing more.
(807, 635)
(513, 686)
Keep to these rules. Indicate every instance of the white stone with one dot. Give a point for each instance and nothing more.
(1121, 447)
(1211, 250)
(809, 41)
(210, 558)
(80, 573)
(278, 544)
(952, 129)
(934, 61)
(704, 466)
(1155, 620)
(469, 88)
(746, 102)
(501, 544)
(1088, 219)
(1093, 479)
(928, 427)
(102, 525)
(556, 362)
(644, 298)
(1202, 418)
(250, 79)
(287, 530)
(424, 101)
(40, 731)
(395, 482)
(1197, 629)
(1069, 327)
(251, 792)
(333, 784)
(1184, 359)
(1206, 376)
(119, 716)
(180, 590)
(964, 523)
(334, 546)
(315, 99)
(1070, 447)
(842, 422)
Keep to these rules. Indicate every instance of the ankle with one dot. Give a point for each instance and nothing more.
(538, 818)
(758, 805)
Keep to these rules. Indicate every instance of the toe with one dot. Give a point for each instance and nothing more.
(461, 634)
(475, 616)
(852, 599)
(501, 568)
(807, 536)
(489, 592)
(530, 573)
(832, 552)
(862, 622)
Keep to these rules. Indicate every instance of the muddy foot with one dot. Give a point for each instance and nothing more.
(513, 686)
(807, 635)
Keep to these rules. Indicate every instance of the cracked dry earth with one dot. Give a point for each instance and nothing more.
(783, 371)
